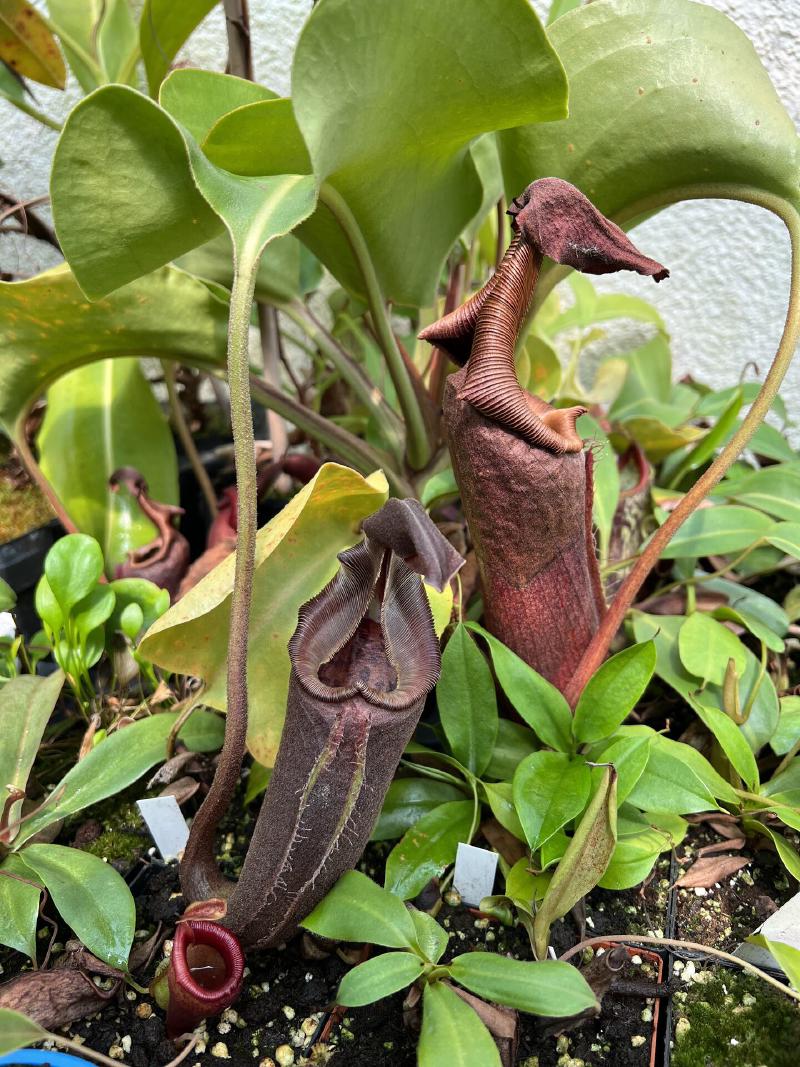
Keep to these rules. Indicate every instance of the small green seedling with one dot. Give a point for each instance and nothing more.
(357, 909)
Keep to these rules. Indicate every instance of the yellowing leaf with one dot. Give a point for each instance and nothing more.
(28, 46)
(295, 557)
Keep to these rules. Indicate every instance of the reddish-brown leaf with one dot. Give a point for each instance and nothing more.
(709, 870)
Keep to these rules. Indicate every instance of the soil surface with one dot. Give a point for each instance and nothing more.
(282, 1009)
(282, 1015)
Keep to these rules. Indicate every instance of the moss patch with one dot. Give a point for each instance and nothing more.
(21, 510)
(733, 1020)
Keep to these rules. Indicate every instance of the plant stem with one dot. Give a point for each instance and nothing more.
(270, 346)
(418, 444)
(35, 113)
(351, 372)
(600, 643)
(199, 861)
(237, 25)
(350, 448)
(36, 473)
(69, 42)
(691, 946)
(185, 435)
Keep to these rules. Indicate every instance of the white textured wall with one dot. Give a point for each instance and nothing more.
(723, 308)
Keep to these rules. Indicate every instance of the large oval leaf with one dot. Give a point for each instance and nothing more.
(389, 96)
(295, 557)
(47, 328)
(90, 896)
(661, 96)
(119, 217)
(98, 418)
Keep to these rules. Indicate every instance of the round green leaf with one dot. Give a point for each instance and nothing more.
(122, 215)
(548, 988)
(197, 99)
(401, 158)
(72, 567)
(378, 978)
(661, 96)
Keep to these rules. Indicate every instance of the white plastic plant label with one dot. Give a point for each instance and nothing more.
(166, 824)
(473, 878)
(783, 925)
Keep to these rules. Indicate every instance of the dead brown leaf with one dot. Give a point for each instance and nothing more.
(705, 872)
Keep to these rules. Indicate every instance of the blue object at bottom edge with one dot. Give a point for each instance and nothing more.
(41, 1057)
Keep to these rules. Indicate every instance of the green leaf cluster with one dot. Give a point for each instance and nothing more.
(357, 909)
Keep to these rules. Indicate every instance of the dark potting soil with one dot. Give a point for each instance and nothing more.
(283, 1003)
(724, 914)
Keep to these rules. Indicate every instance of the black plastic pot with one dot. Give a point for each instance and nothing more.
(21, 564)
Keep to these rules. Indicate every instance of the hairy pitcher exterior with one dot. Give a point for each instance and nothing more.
(364, 657)
(525, 484)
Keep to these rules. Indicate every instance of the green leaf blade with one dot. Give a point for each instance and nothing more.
(549, 790)
(613, 691)
(357, 909)
(19, 906)
(547, 988)
(26, 704)
(427, 848)
(378, 978)
(539, 703)
(91, 897)
(452, 1033)
(115, 225)
(466, 700)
